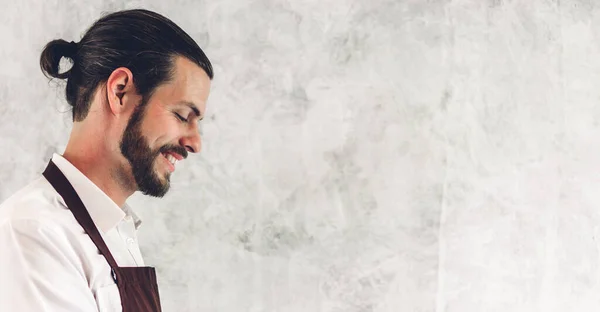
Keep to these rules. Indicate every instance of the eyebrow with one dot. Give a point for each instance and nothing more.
(193, 107)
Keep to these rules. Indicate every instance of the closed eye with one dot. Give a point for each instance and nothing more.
(181, 118)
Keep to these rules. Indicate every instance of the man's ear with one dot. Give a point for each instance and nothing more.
(120, 91)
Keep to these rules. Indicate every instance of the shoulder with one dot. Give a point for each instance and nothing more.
(36, 224)
(36, 204)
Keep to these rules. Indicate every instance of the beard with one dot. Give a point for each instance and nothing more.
(135, 148)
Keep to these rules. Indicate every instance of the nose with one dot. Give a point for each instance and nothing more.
(192, 142)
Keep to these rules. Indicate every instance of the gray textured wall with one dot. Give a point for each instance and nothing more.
(359, 155)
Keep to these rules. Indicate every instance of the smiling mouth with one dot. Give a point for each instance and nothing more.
(171, 160)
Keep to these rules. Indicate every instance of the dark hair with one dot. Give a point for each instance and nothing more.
(143, 41)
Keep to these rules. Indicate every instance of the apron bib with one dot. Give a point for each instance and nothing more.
(137, 285)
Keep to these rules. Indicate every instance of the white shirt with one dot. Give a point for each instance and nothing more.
(47, 261)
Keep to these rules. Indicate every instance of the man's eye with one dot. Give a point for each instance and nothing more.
(181, 118)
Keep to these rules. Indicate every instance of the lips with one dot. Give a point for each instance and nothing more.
(175, 155)
(171, 160)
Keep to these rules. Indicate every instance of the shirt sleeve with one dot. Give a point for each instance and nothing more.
(39, 270)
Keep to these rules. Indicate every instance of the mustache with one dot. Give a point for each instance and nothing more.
(177, 149)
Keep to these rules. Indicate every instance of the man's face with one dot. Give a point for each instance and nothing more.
(165, 129)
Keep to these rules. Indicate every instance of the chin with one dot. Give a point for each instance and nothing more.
(156, 183)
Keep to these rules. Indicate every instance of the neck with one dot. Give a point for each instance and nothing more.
(101, 168)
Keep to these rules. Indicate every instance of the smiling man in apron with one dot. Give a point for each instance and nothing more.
(138, 87)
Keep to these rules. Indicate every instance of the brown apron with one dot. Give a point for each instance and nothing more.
(137, 285)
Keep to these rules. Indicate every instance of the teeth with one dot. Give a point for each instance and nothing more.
(172, 159)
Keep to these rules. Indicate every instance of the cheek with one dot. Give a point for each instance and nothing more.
(160, 131)
(164, 136)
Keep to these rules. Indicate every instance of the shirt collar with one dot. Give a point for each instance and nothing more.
(105, 213)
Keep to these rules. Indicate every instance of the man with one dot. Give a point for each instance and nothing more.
(138, 87)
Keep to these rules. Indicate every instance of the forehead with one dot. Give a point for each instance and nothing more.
(190, 83)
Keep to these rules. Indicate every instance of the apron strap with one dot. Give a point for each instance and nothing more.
(60, 183)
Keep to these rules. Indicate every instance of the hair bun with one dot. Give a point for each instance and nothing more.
(71, 49)
(51, 55)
